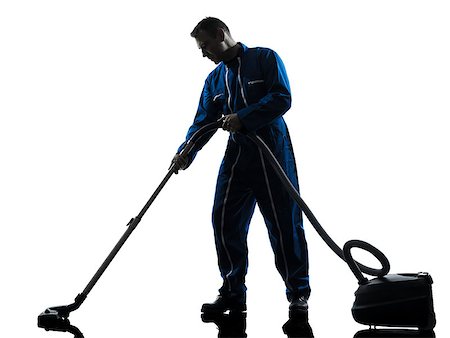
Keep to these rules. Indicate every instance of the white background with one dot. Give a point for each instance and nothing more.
(95, 98)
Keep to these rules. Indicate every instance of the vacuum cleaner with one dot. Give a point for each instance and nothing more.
(393, 300)
(401, 300)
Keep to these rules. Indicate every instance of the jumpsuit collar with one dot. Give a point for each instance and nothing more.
(243, 48)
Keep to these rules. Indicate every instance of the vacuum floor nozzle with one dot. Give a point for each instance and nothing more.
(55, 319)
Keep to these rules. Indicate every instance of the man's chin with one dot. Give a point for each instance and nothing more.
(214, 60)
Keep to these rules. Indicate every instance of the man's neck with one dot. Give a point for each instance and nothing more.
(231, 53)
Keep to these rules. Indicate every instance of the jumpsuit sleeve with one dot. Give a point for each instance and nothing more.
(276, 102)
(207, 112)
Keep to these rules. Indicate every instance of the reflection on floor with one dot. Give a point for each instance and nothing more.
(230, 324)
(233, 325)
(394, 333)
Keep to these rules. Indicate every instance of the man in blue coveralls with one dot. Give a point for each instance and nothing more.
(249, 91)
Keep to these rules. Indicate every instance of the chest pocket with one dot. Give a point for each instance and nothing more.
(256, 89)
(219, 101)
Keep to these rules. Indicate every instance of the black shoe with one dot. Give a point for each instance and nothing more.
(298, 309)
(225, 303)
(295, 328)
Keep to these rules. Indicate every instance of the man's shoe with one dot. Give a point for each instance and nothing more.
(223, 304)
(298, 309)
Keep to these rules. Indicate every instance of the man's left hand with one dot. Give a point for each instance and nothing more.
(231, 123)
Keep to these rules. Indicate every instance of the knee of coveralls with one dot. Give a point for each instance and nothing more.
(233, 208)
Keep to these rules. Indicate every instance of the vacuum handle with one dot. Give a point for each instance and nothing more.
(201, 132)
(374, 251)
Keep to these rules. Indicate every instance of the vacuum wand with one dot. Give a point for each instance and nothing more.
(56, 318)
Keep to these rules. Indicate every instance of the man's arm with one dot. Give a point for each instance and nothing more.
(207, 112)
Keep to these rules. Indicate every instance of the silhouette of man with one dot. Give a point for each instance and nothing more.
(249, 90)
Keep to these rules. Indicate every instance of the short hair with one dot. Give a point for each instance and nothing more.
(209, 25)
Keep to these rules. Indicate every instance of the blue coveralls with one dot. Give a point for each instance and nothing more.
(255, 86)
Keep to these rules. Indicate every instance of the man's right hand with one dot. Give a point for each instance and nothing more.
(180, 162)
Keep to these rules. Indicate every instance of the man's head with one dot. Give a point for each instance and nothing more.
(213, 38)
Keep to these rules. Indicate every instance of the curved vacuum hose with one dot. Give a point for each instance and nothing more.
(355, 266)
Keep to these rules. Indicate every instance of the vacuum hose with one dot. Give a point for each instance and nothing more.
(345, 254)
(356, 267)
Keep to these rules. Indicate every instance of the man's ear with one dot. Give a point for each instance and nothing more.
(220, 35)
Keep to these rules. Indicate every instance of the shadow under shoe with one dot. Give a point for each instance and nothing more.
(232, 324)
(225, 303)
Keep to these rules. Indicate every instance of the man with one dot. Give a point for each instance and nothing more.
(249, 90)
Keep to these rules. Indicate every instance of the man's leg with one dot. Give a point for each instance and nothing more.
(284, 223)
(234, 204)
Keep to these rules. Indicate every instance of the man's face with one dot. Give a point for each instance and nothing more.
(212, 47)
